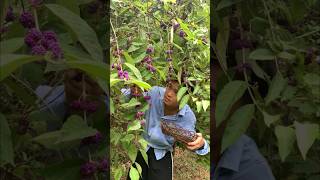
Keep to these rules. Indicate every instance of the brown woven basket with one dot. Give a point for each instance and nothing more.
(177, 132)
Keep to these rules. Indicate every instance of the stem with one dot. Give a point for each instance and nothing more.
(116, 39)
(22, 5)
(36, 18)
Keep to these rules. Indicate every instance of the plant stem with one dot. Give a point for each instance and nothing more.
(115, 36)
(36, 18)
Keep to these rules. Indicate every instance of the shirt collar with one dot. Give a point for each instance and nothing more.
(231, 157)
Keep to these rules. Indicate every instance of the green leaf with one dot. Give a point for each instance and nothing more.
(111, 106)
(85, 34)
(6, 149)
(143, 143)
(140, 57)
(11, 45)
(181, 92)
(134, 174)
(10, 62)
(230, 93)
(132, 152)
(144, 155)
(48, 139)
(114, 81)
(118, 174)
(286, 138)
(258, 70)
(134, 70)
(141, 84)
(306, 135)
(71, 5)
(277, 85)
(312, 79)
(128, 58)
(75, 128)
(199, 105)
(135, 125)
(222, 43)
(133, 48)
(262, 54)
(138, 167)
(286, 55)
(196, 89)
(184, 101)
(237, 125)
(132, 103)
(269, 119)
(205, 104)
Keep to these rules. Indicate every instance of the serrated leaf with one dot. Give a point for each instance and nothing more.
(262, 54)
(135, 125)
(237, 125)
(184, 101)
(306, 135)
(286, 139)
(84, 33)
(6, 148)
(135, 71)
(230, 93)
(181, 92)
(205, 104)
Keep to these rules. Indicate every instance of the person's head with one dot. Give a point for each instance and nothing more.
(170, 95)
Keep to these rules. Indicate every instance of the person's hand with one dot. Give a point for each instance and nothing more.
(198, 143)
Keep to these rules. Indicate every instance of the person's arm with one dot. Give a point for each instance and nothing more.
(200, 145)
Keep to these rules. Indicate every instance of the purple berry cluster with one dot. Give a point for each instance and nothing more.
(27, 20)
(95, 139)
(84, 105)
(147, 61)
(35, 3)
(42, 42)
(91, 167)
(123, 74)
(9, 15)
(139, 114)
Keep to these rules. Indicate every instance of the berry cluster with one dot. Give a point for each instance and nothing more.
(42, 42)
(90, 167)
(147, 61)
(27, 20)
(9, 15)
(84, 105)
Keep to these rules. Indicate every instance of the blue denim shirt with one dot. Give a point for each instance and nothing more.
(242, 161)
(153, 134)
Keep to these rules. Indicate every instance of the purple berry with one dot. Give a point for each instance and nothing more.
(50, 36)
(76, 105)
(27, 20)
(182, 33)
(88, 169)
(90, 107)
(176, 26)
(104, 165)
(126, 75)
(169, 59)
(120, 74)
(149, 50)
(169, 51)
(35, 3)
(112, 66)
(33, 37)
(38, 50)
(147, 98)
(9, 16)
(143, 122)
(56, 50)
(139, 114)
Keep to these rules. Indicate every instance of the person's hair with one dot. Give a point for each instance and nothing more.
(173, 84)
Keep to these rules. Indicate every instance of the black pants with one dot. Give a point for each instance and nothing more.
(158, 169)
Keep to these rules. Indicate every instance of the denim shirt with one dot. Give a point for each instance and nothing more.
(242, 161)
(153, 134)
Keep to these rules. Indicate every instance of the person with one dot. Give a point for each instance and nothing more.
(240, 161)
(164, 105)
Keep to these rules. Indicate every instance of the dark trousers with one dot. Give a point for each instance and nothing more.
(158, 169)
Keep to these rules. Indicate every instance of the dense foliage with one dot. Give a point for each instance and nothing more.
(269, 53)
(40, 41)
(152, 41)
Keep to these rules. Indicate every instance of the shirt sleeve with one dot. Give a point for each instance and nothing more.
(190, 125)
